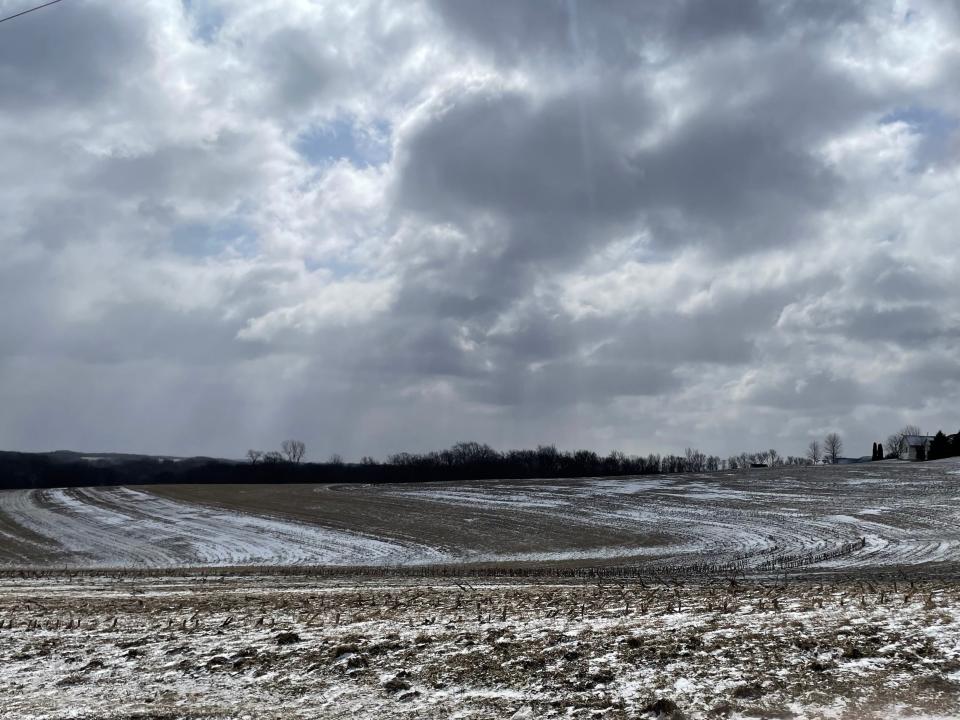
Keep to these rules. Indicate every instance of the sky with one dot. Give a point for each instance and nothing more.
(383, 226)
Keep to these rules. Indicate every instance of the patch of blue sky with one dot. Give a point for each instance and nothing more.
(929, 121)
(363, 145)
(197, 239)
(206, 20)
(936, 128)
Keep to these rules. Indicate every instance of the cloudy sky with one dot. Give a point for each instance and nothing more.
(386, 226)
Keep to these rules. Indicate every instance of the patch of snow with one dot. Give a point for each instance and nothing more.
(123, 527)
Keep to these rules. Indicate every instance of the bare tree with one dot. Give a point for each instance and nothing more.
(832, 447)
(336, 459)
(293, 450)
(254, 456)
(896, 445)
(272, 457)
(695, 460)
(813, 452)
(773, 458)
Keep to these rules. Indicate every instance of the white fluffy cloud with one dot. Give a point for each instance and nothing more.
(382, 226)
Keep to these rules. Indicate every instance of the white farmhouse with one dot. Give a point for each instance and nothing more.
(918, 446)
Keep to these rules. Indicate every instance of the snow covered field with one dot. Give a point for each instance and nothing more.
(860, 517)
(785, 593)
(124, 527)
(275, 647)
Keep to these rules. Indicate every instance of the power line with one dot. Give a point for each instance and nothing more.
(38, 7)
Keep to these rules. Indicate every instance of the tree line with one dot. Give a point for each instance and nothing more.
(944, 446)
(464, 460)
(480, 460)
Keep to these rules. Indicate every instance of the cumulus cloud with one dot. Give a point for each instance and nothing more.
(382, 227)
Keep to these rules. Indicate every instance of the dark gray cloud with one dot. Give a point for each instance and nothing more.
(297, 66)
(733, 185)
(76, 57)
(637, 225)
(562, 161)
(623, 33)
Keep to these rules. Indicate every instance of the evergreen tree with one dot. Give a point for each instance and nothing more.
(874, 455)
(939, 447)
(879, 451)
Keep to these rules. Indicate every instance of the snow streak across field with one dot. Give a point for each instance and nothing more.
(862, 516)
(124, 527)
(870, 516)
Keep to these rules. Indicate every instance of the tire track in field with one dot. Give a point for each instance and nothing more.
(905, 514)
(123, 527)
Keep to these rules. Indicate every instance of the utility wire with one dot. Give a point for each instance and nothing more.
(38, 7)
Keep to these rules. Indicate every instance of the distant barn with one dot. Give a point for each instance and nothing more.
(918, 446)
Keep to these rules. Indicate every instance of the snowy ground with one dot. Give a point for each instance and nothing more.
(872, 516)
(271, 647)
(124, 527)
(879, 638)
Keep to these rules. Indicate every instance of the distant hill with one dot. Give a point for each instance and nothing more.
(69, 468)
(113, 458)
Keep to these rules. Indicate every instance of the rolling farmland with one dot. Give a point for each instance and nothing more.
(824, 592)
(848, 518)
